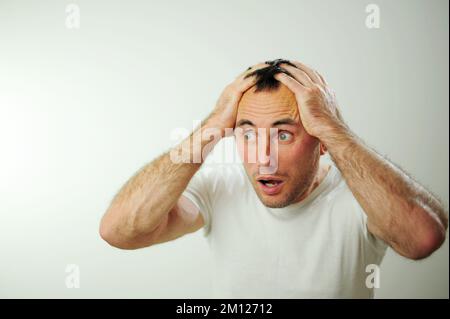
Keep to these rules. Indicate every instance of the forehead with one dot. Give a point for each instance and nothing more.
(268, 106)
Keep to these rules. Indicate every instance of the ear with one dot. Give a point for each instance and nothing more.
(323, 149)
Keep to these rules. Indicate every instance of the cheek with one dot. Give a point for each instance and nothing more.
(250, 167)
(297, 154)
(246, 151)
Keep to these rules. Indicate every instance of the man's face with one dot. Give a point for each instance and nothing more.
(283, 177)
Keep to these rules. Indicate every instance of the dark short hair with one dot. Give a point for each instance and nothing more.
(264, 76)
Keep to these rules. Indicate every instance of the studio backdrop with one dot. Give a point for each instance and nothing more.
(90, 91)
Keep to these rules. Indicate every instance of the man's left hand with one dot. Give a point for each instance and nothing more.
(316, 102)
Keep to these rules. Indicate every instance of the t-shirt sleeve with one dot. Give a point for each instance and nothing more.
(199, 193)
(374, 243)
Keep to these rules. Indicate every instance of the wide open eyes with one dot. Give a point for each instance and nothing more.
(249, 135)
(283, 136)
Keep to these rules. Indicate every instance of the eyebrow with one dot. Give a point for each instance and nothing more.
(287, 121)
(244, 122)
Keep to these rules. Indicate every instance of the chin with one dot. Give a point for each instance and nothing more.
(275, 205)
(278, 201)
(285, 197)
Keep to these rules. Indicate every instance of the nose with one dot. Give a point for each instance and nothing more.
(263, 148)
(267, 157)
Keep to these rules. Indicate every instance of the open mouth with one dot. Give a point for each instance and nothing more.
(269, 182)
(270, 185)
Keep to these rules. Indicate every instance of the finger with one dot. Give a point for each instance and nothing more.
(311, 72)
(292, 84)
(322, 78)
(300, 75)
(252, 69)
(243, 83)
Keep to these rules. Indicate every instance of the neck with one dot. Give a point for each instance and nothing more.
(321, 173)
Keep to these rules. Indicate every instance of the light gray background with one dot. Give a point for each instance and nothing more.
(82, 110)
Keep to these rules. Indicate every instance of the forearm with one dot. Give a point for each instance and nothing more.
(151, 193)
(400, 210)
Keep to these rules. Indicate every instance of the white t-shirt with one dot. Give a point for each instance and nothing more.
(317, 248)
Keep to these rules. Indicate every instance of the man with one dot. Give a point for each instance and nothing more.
(296, 227)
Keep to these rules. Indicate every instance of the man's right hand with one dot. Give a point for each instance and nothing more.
(224, 114)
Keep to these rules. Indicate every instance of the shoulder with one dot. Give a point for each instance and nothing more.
(221, 178)
(358, 217)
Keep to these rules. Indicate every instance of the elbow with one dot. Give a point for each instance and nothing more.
(429, 237)
(428, 244)
(107, 234)
(122, 229)
(115, 238)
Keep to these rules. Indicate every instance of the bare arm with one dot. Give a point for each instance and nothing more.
(400, 211)
(146, 203)
(149, 209)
